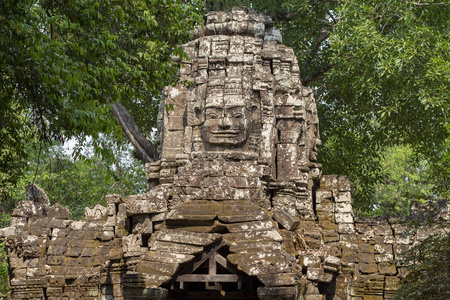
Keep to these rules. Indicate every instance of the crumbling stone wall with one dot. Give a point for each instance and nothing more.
(237, 193)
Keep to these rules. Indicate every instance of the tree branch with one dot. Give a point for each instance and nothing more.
(133, 133)
(285, 16)
(324, 34)
(306, 80)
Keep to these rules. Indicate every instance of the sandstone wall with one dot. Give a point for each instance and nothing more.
(116, 254)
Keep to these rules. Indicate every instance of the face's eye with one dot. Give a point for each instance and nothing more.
(211, 115)
(238, 115)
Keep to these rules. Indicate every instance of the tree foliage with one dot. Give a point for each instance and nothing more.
(63, 62)
(75, 184)
(389, 80)
(4, 219)
(3, 270)
(428, 267)
(79, 183)
(381, 72)
(405, 179)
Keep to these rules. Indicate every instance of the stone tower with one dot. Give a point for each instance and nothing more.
(237, 207)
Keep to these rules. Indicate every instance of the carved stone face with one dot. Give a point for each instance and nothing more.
(226, 124)
(314, 141)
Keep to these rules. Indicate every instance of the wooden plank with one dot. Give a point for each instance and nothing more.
(212, 270)
(202, 258)
(210, 278)
(225, 263)
(212, 265)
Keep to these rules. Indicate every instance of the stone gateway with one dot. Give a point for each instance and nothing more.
(237, 206)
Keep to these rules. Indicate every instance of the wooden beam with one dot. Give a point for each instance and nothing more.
(202, 258)
(212, 270)
(225, 263)
(210, 278)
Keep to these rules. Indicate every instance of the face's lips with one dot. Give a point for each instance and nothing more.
(225, 132)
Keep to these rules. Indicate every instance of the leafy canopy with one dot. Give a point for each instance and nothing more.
(427, 265)
(381, 74)
(80, 183)
(404, 180)
(63, 62)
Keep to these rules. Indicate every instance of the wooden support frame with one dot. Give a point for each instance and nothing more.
(212, 280)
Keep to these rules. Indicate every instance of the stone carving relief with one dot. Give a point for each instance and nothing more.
(237, 206)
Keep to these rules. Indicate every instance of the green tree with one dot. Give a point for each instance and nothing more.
(381, 72)
(3, 271)
(79, 183)
(405, 179)
(428, 266)
(75, 184)
(4, 219)
(62, 63)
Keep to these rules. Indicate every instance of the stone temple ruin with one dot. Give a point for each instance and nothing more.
(237, 206)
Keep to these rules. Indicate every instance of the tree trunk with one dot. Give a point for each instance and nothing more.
(133, 133)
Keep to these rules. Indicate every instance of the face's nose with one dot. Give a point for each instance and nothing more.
(225, 122)
(317, 144)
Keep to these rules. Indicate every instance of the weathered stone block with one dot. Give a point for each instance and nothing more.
(366, 248)
(56, 250)
(132, 245)
(114, 198)
(98, 213)
(328, 225)
(382, 248)
(349, 257)
(324, 196)
(384, 258)
(403, 239)
(366, 268)
(281, 293)
(313, 273)
(175, 248)
(343, 218)
(186, 237)
(325, 206)
(347, 228)
(399, 249)
(344, 207)
(329, 182)
(249, 226)
(344, 184)
(345, 197)
(392, 283)
(313, 297)
(308, 261)
(255, 246)
(387, 269)
(325, 217)
(332, 261)
(325, 277)
(236, 237)
(280, 279)
(286, 220)
(366, 257)
(157, 268)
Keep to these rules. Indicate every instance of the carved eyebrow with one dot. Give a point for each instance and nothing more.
(235, 106)
(213, 106)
